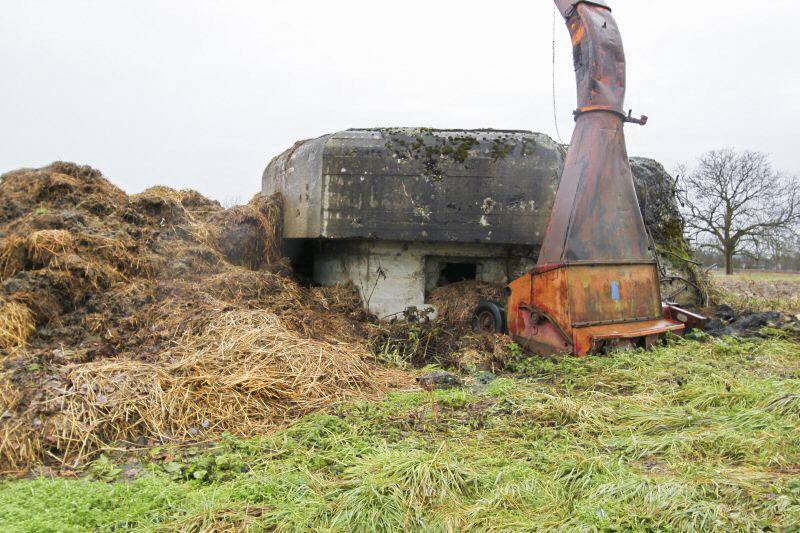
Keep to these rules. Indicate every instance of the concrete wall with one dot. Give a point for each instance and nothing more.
(394, 275)
(386, 208)
(413, 184)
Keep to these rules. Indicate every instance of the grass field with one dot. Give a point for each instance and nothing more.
(695, 436)
(760, 291)
(755, 275)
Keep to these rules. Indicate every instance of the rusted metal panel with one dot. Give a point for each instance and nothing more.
(534, 328)
(544, 338)
(590, 339)
(568, 6)
(550, 294)
(596, 280)
(684, 316)
(520, 297)
(613, 293)
(573, 307)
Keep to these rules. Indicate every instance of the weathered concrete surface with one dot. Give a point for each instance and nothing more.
(657, 200)
(395, 275)
(391, 206)
(416, 184)
(419, 185)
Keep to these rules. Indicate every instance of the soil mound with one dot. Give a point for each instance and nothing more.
(727, 321)
(158, 315)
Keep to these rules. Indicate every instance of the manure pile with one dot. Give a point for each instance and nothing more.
(456, 302)
(158, 316)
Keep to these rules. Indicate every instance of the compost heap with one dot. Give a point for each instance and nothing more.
(456, 302)
(158, 316)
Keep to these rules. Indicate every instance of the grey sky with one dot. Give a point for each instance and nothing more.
(202, 94)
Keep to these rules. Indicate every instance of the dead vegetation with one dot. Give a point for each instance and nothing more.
(455, 302)
(158, 316)
(16, 325)
(244, 373)
(760, 291)
(162, 317)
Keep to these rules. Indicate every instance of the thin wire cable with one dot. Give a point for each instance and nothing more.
(555, 113)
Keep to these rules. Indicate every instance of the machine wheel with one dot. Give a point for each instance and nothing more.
(488, 318)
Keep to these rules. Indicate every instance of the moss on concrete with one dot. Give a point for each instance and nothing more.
(437, 148)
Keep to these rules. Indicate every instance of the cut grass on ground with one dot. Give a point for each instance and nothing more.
(697, 436)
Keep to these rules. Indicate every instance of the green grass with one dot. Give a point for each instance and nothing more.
(691, 437)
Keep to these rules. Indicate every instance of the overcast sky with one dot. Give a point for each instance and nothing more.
(202, 94)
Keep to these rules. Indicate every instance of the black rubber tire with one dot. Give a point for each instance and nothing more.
(489, 317)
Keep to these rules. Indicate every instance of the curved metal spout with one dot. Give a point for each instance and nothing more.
(567, 7)
(596, 213)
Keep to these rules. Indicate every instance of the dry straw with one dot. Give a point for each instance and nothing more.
(174, 319)
(245, 373)
(16, 325)
(457, 301)
(44, 244)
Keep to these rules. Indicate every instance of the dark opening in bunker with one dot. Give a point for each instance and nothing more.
(301, 254)
(454, 272)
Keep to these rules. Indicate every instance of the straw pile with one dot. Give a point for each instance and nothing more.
(244, 373)
(457, 301)
(16, 325)
(449, 340)
(157, 316)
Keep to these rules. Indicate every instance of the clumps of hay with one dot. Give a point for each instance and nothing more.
(456, 302)
(254, 288)
(249, 235)
(35, 249)
(60, 184)
(16, 325)
(163, 204)
(46, 243)
(245, 373)
(103, 259)
(20, 445)
(159, 316)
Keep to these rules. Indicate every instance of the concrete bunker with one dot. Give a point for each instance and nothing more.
(400, 211)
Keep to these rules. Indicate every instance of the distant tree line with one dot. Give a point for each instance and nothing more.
(740, 213)
(785, 259)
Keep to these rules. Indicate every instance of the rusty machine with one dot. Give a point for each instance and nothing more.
(596, 283)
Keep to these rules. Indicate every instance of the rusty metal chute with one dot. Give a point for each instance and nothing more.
(596, 213)
(596, 282)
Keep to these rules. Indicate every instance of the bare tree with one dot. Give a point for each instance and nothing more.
(734, 202)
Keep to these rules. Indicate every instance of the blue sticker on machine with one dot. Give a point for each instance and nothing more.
(615, 291)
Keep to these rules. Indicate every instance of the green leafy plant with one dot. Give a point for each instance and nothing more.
(103, 469)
